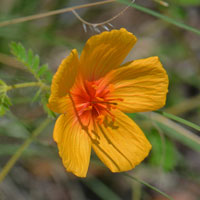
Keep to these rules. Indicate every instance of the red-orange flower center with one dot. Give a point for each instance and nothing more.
(93, 101)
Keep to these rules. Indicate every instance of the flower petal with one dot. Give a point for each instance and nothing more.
(121, 145)
(62, 81)
(59, 105)
(142, 84)
(73, 143)
(105, 52)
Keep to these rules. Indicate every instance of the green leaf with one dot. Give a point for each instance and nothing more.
(36, 63)
(37, 96)
(14, 48)
(19, 51)
(2, 110)
(30, 57)
(41, 74)
(31, 61)
(48, 76)
(5, 103)
(163, 152)
(43, 69)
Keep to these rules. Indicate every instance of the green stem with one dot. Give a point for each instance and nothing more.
(175, 130)
(19, 152)
(180, 120)
(148, 185)
(163, 17)
(30, 84)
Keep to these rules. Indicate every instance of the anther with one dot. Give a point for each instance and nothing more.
(94, 86)
(100, 119)
(100, 99)
(88, 108)
(105, 102)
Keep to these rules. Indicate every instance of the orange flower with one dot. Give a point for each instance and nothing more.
(91, 94)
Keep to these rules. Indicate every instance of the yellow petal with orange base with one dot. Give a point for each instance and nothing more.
(104, 52)
(73, 143)
(121, 144)
(142, 84)
(62, 82)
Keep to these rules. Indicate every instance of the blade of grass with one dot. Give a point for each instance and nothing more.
(148, 185)
(180, 120)
(50, 13)
(5, 170)
(175, 130)
(160, 16)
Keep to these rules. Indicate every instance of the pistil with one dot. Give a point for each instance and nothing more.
(93, 101)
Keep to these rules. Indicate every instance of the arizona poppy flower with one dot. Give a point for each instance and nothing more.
(91, 94)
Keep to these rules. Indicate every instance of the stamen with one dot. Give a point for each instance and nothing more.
(100, 99)
(100, 119)
(88, 108)
(106, 102)
(94, 86)
(113, 106)
(84, 106)
(93, 101)
(117, 99)
(111, 87)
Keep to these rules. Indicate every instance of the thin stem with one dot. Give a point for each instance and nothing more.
(163, 17)
(148, 185)
(54, 12)
(175, 130)
(19, 152)
(29, 84)
(104, 22)
(180, 120)
(10, 61)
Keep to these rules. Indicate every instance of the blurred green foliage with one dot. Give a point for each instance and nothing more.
(32, 62)
(186, 2)
(57, 35)
(5, 101)
(164, 153)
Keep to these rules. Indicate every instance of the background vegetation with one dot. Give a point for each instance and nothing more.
(28, 155)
